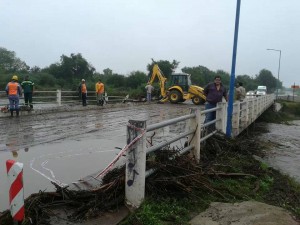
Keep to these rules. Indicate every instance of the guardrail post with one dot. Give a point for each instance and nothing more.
(236, 119)
(244, 115)
(105, 97)
(221, 117)
(249, 111)
(135, 164)
(255, 106)
(194, 139)
(58, 97)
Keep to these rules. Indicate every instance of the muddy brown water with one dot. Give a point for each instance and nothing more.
(284, 142)
(67, 146)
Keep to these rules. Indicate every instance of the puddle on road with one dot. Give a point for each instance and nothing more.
(285, 155)
(62, 162)
(65, 147)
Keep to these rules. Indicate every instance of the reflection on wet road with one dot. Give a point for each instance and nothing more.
(64, 147)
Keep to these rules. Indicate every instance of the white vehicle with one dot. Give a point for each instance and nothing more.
(261, 90)
(250, 94)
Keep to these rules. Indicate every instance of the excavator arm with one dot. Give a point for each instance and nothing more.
(156, 72)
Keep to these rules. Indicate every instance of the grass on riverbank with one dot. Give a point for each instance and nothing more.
(229, 173)
(290, 111)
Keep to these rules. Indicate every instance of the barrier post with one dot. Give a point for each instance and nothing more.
(236, 119)
(194, 139)
(16, 190)
(135, 164)
(105, 97)
(58, 97)
(221, 117)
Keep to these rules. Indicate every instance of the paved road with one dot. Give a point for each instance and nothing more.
(69, 145)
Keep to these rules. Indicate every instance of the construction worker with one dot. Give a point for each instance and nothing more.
(240, 92)
(14, 91)
(27, 86)
(99, 92)
(83, 92)
(149, 89)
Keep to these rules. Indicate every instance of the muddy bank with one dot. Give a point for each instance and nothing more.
(244, 213)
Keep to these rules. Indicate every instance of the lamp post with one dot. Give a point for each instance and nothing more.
(277, 83)
(232, 76)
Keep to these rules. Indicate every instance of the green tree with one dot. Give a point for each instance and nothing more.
(135, 79)
(200, 75)
(107, 72)
(9, 63)
(115, 80)
(266, 78)
(248, 83)
(71, 68)
(35, 69)
(165, 66)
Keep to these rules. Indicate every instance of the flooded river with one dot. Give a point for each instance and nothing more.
(67, 146)
(285, 148)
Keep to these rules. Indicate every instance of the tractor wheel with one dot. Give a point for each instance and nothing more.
(197, 100)
(175, 96)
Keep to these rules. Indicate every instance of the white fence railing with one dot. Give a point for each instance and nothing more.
(244, 113)
(60, 97)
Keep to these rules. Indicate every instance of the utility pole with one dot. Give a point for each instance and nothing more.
(232, 76)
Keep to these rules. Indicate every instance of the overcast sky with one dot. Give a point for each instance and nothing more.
(125, 35)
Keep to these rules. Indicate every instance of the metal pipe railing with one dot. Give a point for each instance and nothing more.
(167, 142)
(169, 122)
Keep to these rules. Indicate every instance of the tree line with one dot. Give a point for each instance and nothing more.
(67, 73)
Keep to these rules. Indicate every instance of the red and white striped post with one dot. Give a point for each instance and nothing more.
(16, 191)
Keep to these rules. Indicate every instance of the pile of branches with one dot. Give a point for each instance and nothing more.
(180, 175)
(82, 204)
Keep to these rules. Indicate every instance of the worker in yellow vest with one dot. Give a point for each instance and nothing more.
(83, 92)
(14, 91)
(100, 92)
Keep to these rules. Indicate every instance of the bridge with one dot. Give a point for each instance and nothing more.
(244, 114)
(136, 149)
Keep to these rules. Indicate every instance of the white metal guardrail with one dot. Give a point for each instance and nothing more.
(60, 97)
(244, 113)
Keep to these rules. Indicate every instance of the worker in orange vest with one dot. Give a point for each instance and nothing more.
(83, 92)
(99, 92)
(14, 91)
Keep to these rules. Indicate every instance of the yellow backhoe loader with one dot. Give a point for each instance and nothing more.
(180, 89)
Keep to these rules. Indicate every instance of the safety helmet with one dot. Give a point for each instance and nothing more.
(15, 154)
(15, 77)
(83, 80)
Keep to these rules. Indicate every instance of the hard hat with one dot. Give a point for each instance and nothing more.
(15, 77)
(15, 154)
(83, 80)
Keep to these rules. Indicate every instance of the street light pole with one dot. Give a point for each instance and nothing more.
(232, 76)
(277, 83)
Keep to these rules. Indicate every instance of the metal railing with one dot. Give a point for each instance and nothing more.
(60, 97)
(244, 114)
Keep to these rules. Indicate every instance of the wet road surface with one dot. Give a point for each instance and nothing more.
(67, 146)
